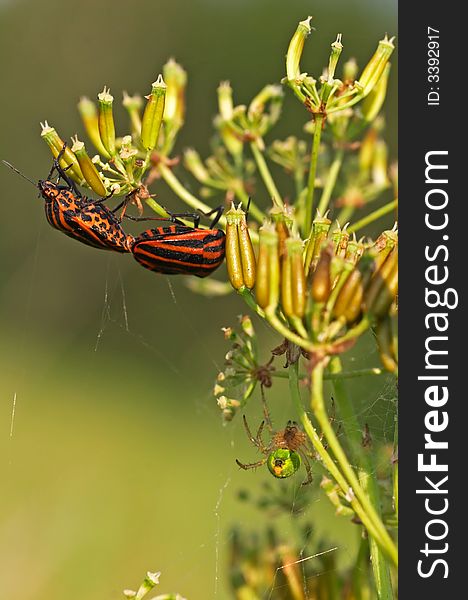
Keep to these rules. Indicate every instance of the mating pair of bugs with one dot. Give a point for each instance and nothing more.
(174, 249)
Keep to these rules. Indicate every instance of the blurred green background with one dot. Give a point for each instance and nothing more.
(113, 456)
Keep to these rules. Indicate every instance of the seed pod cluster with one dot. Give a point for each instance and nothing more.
(240, 257)
(346, 278)
(372, 285)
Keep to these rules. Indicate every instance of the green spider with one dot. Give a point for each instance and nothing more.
(285, 452)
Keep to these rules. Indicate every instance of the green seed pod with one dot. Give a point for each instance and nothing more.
(294, 248)
(349, 301)
(106, 121)
(375, 68)
(374, 101)
(283, 463)
(268, 268)
(340, 238)
(240, 257)
(354, 250)
(153, 115)
(283, 220)
(55, 143)
(383, 284)
(90, 173)
(296, 46)
(89, 116)
(320, 228)
(387, 292)
(286, 286)
(321, 278)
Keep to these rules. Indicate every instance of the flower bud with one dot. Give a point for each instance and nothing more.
(133, 104)
(337, 48)
(56, 144)
(153, 115)
(268, 268)
(89, 116)
(148, 584)
(380, 164)
(106, 121)
(350, 70)
(354, 250)
(340, 239)
(90, 173)
(225, 103)
(296, 46)
(320, 228)
(176, 81)
(270, 94)
(247, 326)
(376, 66)
(240, 257)
(293, 283)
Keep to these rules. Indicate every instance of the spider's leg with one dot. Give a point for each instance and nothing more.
(254, 465)
(255, 440)
(260, 443)
(266, 412)
(307, 467)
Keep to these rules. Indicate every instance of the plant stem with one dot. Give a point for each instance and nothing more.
(266, 175)
(312, 173)
(328, 462)
(331, 181)
(367, 478)
(356, 373)
(176, 186)
(341, 375)
(373, 216)
(318, 408)
(192, 201)
(276, 323)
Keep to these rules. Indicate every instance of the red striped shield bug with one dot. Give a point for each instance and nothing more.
(86, 220)
(180, 249)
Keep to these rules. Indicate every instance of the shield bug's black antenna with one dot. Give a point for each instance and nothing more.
(19, 172)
